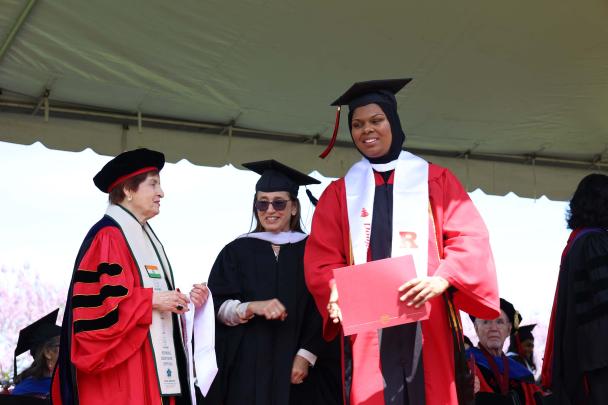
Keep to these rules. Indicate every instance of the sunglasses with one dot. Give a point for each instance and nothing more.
(278, 205)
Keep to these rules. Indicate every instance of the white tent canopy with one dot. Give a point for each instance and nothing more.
(511, 96)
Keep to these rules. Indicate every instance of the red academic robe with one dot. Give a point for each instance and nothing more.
(520, 381)
(526, 391)
(111, 316)
(459, 252)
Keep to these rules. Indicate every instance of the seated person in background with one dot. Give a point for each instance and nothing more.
(502, 380)
(521, 347)
(42, 340)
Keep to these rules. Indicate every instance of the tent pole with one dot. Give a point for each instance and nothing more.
(46, 109)
(45, 95)
(6, 44)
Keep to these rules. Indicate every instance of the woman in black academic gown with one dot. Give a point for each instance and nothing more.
(575, 365)
(269, 344)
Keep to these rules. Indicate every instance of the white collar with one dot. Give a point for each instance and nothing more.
(280, 238)
(385, 167)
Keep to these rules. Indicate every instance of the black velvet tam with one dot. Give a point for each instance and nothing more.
(126, 165)
(512, 314)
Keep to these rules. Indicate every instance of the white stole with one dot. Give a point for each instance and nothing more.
(155, 273)
(410, 208)
(200, 328)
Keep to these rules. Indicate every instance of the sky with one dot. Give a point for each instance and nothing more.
(48, 203)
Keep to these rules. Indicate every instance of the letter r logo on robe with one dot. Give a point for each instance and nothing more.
(408, 240)
(364, 213)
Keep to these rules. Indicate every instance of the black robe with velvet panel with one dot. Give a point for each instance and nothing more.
(580, 351)
(255, 358)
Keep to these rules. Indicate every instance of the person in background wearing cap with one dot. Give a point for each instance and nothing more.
(121, 340)
(502, 379)
(269, 344)
(389, 204)
(521, 346)
(575, 366)
(42, 340)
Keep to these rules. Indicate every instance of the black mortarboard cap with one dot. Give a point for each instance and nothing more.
(513, 316)
(275, 176)
(126, 165)
(525, 332)
(388, 87)
(363, 93)
(33, 336)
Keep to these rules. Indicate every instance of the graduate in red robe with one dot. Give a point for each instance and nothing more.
(121, 289)
(412, 363)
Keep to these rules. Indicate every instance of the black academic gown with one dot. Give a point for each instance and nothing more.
(255, 358)
(581, 322)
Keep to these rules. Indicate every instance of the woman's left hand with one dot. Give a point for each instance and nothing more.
(299, 370)
(420, 290)
(199, 294)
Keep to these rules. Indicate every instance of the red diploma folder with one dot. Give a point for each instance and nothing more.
(368, 295)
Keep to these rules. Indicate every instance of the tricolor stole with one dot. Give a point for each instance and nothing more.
(410, 208)
(155, 273)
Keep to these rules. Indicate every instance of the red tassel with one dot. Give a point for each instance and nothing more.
(332, 141)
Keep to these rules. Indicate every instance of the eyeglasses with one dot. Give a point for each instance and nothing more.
(278, 205)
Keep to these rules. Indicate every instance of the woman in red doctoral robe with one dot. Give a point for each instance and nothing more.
(413, 363)
(121, 338)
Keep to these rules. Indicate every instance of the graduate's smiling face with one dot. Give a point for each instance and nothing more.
(371, 131)
(493, 333)
(272, 219)
(144, 203)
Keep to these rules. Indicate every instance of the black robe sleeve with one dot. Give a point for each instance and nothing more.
(311, 336)
(581, 315)
(224, 279)
(591, 302)
(224, 283)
